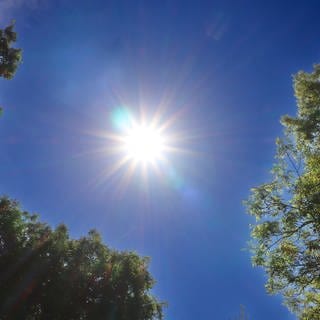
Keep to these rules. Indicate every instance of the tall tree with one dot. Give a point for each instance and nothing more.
(46, 275)
(286, 237)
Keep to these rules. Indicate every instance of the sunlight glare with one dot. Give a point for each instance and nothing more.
(141, 146)
(144, 144)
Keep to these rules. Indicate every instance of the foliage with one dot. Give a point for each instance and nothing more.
(10, 58)
(286, 237)
(46, 275)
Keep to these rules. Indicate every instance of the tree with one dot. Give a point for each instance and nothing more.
(10, 58)
(46, 275)
(286, 236)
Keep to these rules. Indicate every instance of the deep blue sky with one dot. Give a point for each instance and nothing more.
(223, 66)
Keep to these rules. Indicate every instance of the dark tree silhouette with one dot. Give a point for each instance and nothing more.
(46, 275)
(10, 58)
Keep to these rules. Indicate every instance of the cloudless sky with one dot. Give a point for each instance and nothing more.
(220, 69)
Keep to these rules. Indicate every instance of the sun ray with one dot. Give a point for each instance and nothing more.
(105, 135)
(126, 178)
(176, 150)
(171, 120)
(109, 171)
(145, 177)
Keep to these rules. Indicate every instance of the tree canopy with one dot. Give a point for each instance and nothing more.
(46, 275)
(10, 58)
(286, 236)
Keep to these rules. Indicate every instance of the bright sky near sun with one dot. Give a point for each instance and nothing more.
(150, 121)
(142, 143)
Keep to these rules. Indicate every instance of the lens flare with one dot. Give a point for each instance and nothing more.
(121, 118)
(141, 147)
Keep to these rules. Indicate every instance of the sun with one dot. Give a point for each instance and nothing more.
(144, 144)
(139, 147)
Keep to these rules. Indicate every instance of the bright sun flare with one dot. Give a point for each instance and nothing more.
(144, 144)
(140, 146)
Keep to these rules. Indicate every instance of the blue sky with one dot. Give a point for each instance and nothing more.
(221, 70)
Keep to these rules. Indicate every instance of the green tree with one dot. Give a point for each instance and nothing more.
(46, 275)
(10, 58)
(286, 236)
